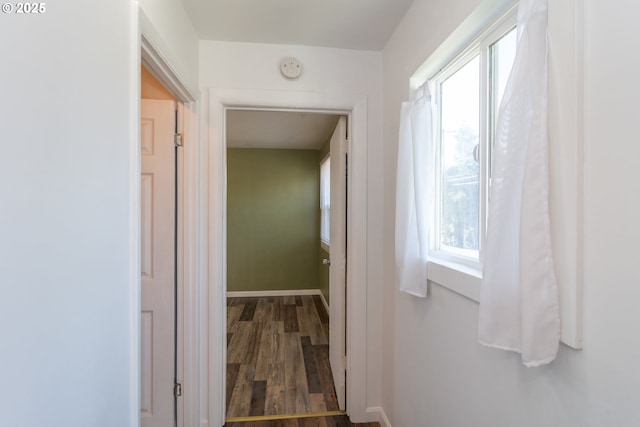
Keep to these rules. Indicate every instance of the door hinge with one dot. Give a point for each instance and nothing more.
(177, 389)
(177, 139)
(346, 146)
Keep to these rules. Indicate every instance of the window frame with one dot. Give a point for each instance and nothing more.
(481, 48)
(435, 251)
(460, 273)
(325, 244)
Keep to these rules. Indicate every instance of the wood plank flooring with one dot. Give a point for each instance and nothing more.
(278, 359)
(335, 421)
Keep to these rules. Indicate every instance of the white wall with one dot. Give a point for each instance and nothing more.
(68, 272)
(175, 36)
(226, 65)
(439, 375)
(66, 307)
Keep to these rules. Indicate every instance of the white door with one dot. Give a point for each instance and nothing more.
(157, 128)
(337, 269)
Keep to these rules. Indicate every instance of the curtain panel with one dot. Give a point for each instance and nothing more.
(414, 193)
(519, 306)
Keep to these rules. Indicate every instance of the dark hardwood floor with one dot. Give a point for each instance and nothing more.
(336, 421)
(278, 360)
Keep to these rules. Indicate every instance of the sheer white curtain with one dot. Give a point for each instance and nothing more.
(519, 308)
(414, 193)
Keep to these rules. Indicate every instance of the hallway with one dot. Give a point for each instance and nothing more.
(278, 357)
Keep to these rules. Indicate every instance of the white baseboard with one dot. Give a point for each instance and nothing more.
(380, 415)
(285, 293)
(324, 301)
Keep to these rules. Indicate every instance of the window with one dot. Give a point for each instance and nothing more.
(325, 201)
(467, 93)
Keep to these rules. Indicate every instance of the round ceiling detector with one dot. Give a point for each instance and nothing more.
(291, 68)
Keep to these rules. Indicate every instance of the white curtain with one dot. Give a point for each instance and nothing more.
(519, 307)
(414, 193)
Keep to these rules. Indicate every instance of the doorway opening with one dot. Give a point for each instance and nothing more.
(159, 195)
(354, 106)
(286, 282)
(184, 372)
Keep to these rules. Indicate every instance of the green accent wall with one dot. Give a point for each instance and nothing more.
(273, 219)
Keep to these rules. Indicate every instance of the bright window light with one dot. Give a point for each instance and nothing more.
(325, 200)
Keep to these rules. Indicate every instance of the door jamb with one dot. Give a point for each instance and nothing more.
(221, 99)
(149, 51)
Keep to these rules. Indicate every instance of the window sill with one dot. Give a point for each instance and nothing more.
(459, 278)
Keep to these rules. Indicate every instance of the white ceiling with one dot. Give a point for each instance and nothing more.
(279, 129)
(351, 24)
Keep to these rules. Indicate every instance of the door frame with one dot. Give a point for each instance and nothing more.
(150, 50)
(355, 105)
(336, 263)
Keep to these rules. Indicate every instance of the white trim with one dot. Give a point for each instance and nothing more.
(202, 259)
(191, 279)
(324, 301)
(134, 220)
(357, 254)
(217, 196)
(189, 255)
(356, 104)
(566, 161)
(459, 278)
(180, 274)
(381, 416)
(157, 60)
(279, 293)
